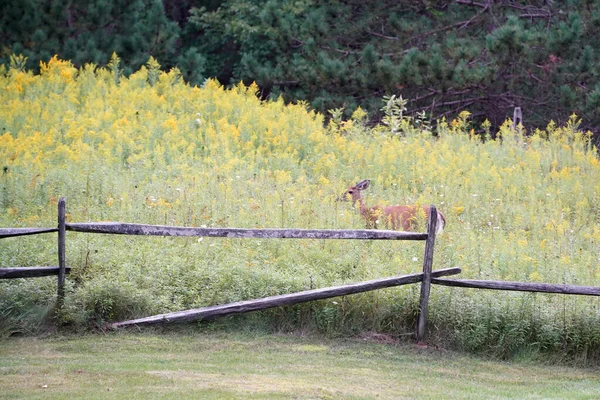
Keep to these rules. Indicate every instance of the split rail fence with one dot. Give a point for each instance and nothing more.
(427, 277)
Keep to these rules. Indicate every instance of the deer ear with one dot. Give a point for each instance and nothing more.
(362, 185)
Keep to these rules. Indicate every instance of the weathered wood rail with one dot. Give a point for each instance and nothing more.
(532, 287)
(13, 232)
(118, 228)
(29, 272)
(281, 300)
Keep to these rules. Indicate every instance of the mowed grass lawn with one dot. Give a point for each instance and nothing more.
(203, 365)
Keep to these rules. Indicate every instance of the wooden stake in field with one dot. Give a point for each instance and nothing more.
(62, 233)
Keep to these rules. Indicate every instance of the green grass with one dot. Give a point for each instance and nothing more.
(253, 365)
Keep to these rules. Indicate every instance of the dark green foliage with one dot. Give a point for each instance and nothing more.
(26, 305)
(87, 31)
(443, 56)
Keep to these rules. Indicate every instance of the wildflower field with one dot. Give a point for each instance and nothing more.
(149, 148)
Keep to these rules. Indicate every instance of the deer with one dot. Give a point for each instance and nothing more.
(397, 216)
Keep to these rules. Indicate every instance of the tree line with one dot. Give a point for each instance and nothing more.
(486, 56)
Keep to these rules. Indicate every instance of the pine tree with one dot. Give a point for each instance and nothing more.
(87, 31)
(487, 57)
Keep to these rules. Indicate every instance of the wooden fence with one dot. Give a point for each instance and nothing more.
(34, 272)
(427, 277)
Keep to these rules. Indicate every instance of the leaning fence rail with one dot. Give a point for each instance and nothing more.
(282, 300)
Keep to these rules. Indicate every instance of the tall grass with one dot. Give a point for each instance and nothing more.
(151, 149)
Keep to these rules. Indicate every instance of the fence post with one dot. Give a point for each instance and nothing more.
(517, 116)
(62, 233)
(427, 267)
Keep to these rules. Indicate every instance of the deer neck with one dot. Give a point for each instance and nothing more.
(363, 209)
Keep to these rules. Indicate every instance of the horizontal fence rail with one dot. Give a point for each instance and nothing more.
(281, 300)
(12, 232)
(270, 233)
(519, 286)
(30, 272)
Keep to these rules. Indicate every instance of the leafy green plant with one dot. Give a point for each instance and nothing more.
(394, 110)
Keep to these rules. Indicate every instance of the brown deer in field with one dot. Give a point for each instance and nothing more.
(396, 217)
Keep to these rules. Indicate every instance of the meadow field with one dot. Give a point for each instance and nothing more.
(520, 205)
